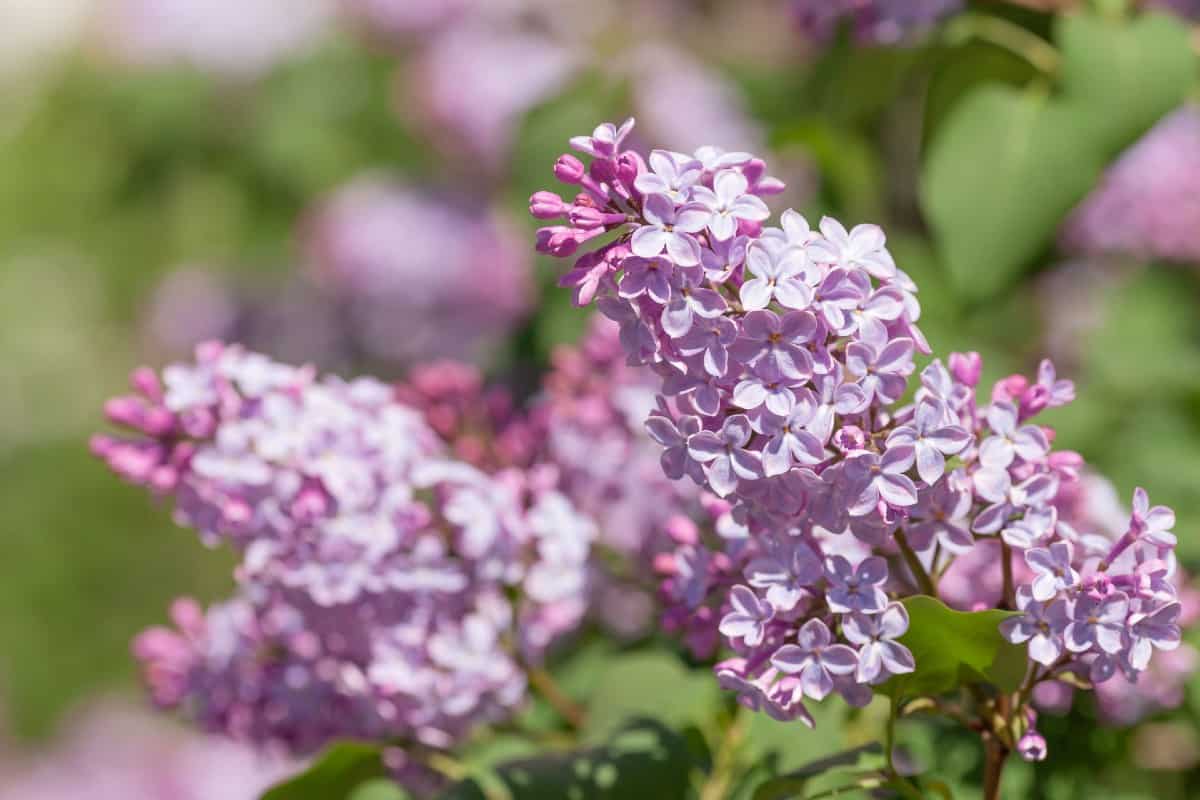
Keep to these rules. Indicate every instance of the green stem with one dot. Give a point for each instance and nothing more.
(717, 785)
(1007, 35)
(1008, 596)
(560, 701)
(995, 756)
(915, 567)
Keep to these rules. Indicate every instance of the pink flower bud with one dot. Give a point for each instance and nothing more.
(1032, 746)
(966, 367)
(568, 169)
(546, 205)
(682, 530)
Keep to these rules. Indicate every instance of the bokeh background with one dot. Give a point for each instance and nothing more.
(345, 182)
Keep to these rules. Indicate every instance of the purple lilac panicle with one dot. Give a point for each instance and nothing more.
(784, 401)
(385, 591)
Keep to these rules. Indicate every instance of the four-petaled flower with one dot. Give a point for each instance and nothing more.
(779, 273)
(728, 202)
(777, 341)
(1151, 524)
(879, 655)
(669, 229)
(1099, 622)
(726, 455)
(673, 436)
(873, 478)
(749, 617)
(1052, 566)
(815, 659)
(1008, 441)
(932, 439)
(1157, 629)
(864, 247)
(670, 174)
(881, 369)
(858, 588)
(1040, 624)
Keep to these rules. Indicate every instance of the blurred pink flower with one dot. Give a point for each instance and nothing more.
(1148, 204)
(112, 752)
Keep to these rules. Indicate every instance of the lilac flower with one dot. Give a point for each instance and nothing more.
(766, 388)
(1058, 392)
(879, 655)
(1151, 524)
(779, 274)
(941, 516)
(835, 398)
(1052, 565)
(932, 440)
(749, 617)
(777, 342)
(864, 247)
(674, 436)
(711, 337)
(687, 302)
(1007, 440)
(882, 371)
(650, 276)
(1040, 624)
(728, 203)
(1032, 529)
(873, 312)
(786, 571)
(671, 174)
(668, 229)
(605, 141)
(726, 455)
(816, 659)
(856, 589)
(723, 257)
(875, 478)
(792, 443)
(1098, 622)
(1157, 629)
(691, 575)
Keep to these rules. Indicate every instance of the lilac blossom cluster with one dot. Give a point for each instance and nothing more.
(386, 591)
(1146, 205)
(871, 22)
(784, 354)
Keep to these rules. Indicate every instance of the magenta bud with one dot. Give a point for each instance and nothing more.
(966, 367)
(1033, 401)
(749, 227)
(628, 168)
(754, 170)
(124, 411)
(569, 169)
(145, 381)
(547, 205)
(604, 170)
(682, 530)
(1010, 389)
(664, 564)
(1032, 746)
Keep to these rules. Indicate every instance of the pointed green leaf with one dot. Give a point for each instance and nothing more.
(342, 769)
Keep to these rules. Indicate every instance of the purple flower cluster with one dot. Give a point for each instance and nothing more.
(385, 591)
(1146, 205)
(872, 22)
(783, 355)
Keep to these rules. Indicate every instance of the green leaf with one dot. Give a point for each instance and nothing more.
(794, 782)
(1006, 167)
(639, 682)
(342, 769)
(1124, 74)
(643, 759)
(955, 648)
(379, 789)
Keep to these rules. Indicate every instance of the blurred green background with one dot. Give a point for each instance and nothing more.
(971, 144)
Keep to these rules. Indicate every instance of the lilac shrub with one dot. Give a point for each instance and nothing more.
(386, 590)
(852, 480)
